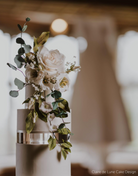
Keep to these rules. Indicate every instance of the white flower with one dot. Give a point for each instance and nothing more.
(46, 107)
(31, 103)
(62, 83)
(34, 76)
(46, 82)
(52, 60)
(50, 117)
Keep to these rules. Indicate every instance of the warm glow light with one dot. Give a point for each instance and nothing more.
(59, 25)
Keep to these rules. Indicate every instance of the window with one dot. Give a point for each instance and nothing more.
(127, 75)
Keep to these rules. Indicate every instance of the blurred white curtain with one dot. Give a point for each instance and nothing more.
(97, 111)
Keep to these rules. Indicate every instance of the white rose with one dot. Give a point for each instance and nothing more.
(46, 107)
(62, 83)
(52, 60)
(34, 76)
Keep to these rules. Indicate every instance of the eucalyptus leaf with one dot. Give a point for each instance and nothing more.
(21, 51)
(19, 40)
(19, 83)
(55, 105)
(18, 63)
(29, 122)
(56, 94)
(24, 28)
(28, 19)
(65, 145)
(14, 93)
(20, 59)
(12, 66)
(27, 48)
(52, 143)
(19, 26)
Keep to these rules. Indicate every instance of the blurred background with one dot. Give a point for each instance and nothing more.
(101, 36)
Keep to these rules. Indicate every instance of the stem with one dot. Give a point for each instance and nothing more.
(21, 72)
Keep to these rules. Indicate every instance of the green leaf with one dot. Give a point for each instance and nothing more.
(12, 66)
(41, 115)
(19, 26)
(27, 48)
(68, 143)
(65, 103)
(55, 105)
(64, 131)
(14, 93)
(56, 94)
(59, 156)
(28, 19)
(67, 149)
(62, 125)
(65, 145)
(60, 113)
(64, 154)
(52, 143)
(19, 40)
(40, 40)
(21, 51)
(26, 101)
(29, 121)
(24, 28)
(19, 83)
(18, 63)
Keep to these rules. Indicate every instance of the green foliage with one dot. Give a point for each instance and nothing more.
(29, 121)
(52, 143)
(65, 148)
(41, 115)
(40, 40)
(28, 19)
(56, 94)
(62, 125)
(26, 101)
(24, 28)
(27, 48)
(12, 66)
(64, 104)
(21, 51)
(64, 131)
(19, 83)
(64, 153)
(60, 113)
(17, 61)
(55, 105)
(14, 93)
(19, 40)
(19, 26)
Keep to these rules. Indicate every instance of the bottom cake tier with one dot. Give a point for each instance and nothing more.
(33, 157)
(37, 160)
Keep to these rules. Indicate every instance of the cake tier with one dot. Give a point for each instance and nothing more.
(38, 160)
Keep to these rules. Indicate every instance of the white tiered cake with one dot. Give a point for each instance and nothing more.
(33, 157)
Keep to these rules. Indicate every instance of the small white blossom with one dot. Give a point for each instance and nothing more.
(31, 103)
